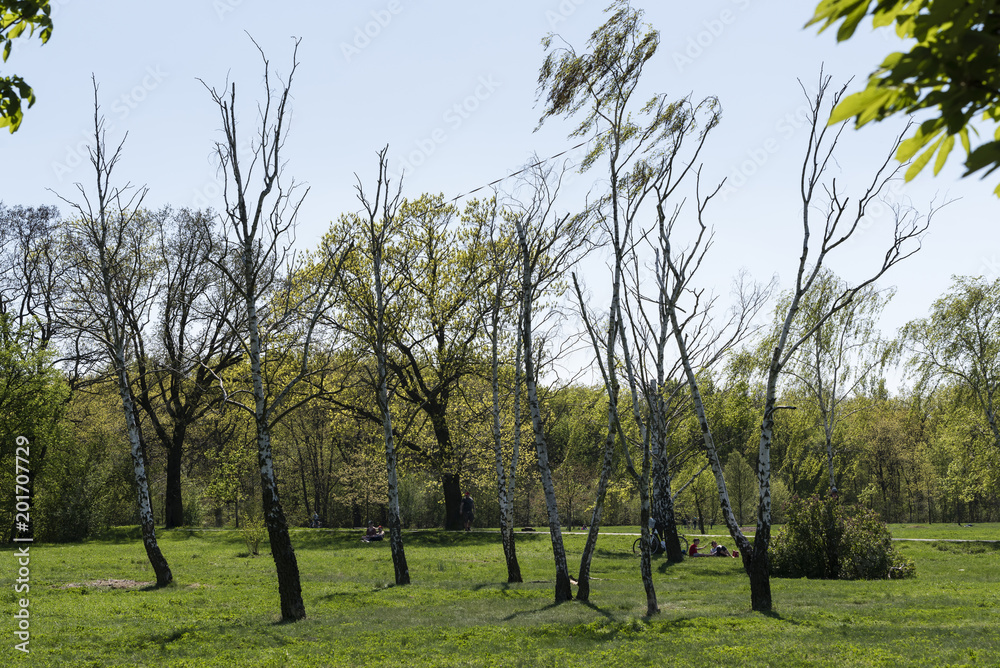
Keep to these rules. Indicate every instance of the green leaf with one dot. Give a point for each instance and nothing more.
(851, 21)
(946, 147)
(986, 155)
(832, 11)
(857, 104)
(926, 132)
(922, 161)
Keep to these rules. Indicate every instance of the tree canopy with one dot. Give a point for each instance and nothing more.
(951, 70)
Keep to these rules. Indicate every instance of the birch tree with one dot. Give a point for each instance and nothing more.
(500, 301)
(285, 302)
(837, 361)
(840, 218)
(643, 148)
(371, 288)
(108, 280)
(548, 243)
(602, 82)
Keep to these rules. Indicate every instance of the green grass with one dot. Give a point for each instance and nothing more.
(222, 609)
(947, 531)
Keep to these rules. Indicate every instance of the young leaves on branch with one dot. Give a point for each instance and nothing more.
(952, 70)
(16, 16)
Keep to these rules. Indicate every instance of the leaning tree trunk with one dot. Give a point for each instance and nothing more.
(505, 477)
(289, 587)
(663, 513)
(507, 529)
(759, 569)
(563, 590)
(156, 558)
(400, 567)
(611, 386)
(583, 589)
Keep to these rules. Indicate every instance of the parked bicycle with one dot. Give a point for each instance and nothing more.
(656, 545)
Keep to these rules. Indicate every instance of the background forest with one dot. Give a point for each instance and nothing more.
(391, 355)
(922, 451)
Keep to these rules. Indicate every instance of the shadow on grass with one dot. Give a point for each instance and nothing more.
(502, 586)
(665, 565)
(775, 615)
(552, 606)
(523, 613)
(616, 554)
(163, 639)
(156, 587)
(970, 547)
(442, 538)
(338, 596)
(598, 609)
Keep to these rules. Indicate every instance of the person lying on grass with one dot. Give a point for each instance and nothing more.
(720, 550)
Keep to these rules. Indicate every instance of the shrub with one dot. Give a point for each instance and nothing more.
(253, 531)
(824, 538)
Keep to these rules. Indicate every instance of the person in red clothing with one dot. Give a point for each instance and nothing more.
(693, 550)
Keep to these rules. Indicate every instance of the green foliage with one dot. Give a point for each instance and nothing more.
(741, 480)
(87, 484)
(253, 530)
(823, 538)
(601, 82)
(16, 16)
(32, 402)
(960, 341)
(951, 68)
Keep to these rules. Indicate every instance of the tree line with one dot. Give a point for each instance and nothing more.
(181, 367)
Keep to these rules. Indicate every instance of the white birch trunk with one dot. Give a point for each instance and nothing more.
(282, 552)
(400, 567)
(505, 478)
(160, 567)
(563, 588)
(117, 341)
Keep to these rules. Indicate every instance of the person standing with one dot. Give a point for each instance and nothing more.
(468, 511)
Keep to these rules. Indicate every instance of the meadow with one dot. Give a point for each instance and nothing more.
(91, 605)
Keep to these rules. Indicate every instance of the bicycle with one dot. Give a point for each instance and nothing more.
(656, 546)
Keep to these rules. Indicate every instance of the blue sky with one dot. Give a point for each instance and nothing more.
(451, 88)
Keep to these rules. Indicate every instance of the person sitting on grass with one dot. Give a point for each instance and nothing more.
(373, 533)
(718, 550)
(693, 550)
